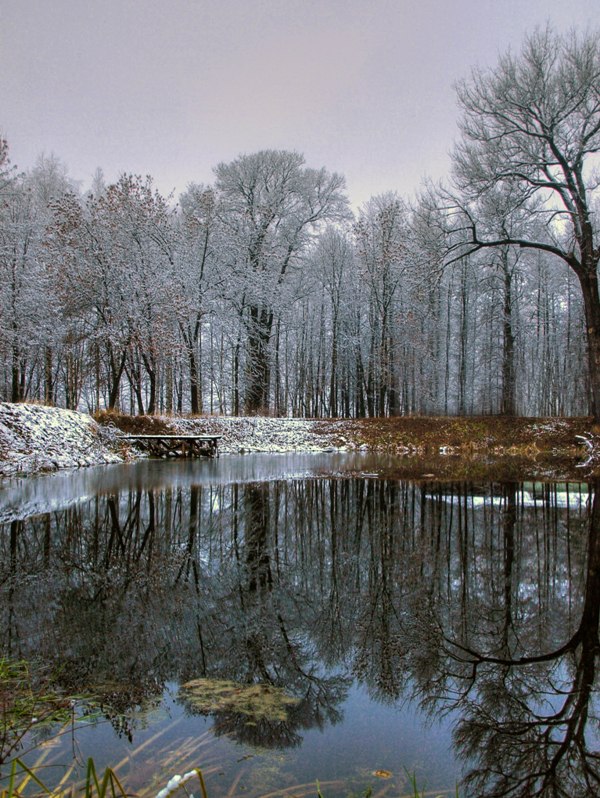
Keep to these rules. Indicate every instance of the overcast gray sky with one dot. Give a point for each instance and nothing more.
(173, 87)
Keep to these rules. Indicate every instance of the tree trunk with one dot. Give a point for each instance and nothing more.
(235, 397)
(48, 378)
(116, 371)
(591, 303)
(16, 390)
(194, 386)
(333, 399)
(463, 343)
(258, 372)
(169, 387)
(508, 402)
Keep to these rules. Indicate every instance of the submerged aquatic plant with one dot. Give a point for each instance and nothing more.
(109, 786)
(257, 701)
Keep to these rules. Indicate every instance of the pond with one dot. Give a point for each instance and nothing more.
(282, 620)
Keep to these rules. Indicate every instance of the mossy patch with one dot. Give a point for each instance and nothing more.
(259, 702)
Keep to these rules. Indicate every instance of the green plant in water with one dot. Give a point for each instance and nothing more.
(109, 786)
(27, 775)
(21, 776)
(417, 793)
(109, 782)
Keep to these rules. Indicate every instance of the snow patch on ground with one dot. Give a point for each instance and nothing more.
(34, 438)
(259, 434)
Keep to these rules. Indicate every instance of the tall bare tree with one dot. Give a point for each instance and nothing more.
(531, 126)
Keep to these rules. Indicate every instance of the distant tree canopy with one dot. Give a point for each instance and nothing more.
(263, 293)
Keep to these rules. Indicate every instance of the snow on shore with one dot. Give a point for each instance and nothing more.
(262, 434)
(34, 438)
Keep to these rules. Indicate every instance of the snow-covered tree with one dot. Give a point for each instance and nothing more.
(271, 205)
(531, 128)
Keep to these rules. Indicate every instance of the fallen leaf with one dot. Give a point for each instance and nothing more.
(383, 774)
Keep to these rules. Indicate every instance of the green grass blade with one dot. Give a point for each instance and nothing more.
(202, 784)
(13, 791)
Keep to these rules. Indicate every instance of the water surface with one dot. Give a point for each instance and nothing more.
(445, 629)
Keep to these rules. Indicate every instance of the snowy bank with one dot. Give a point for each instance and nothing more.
(243, 434)
(34, 438)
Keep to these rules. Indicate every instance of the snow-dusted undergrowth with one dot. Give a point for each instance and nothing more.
(34, 438)
(259, 434)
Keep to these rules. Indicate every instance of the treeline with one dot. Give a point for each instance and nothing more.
(263, 293)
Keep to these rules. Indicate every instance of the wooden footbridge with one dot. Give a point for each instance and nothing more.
(176, 445)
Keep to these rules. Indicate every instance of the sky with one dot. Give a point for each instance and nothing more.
(171, 88)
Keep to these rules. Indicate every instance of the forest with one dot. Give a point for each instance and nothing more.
(265, 293)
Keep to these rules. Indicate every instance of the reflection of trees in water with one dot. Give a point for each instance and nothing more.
(141, 588)
(490, 608)
(267, 643)
(525, 713)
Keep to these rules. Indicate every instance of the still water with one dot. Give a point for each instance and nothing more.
(278, 620)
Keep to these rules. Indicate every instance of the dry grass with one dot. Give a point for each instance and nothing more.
(471, 447)
(496, 434)
(424, 434)
(133, 425)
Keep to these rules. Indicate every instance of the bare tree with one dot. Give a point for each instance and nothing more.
(381, 232)
(333, 262)
(531, 127)
(192, 278)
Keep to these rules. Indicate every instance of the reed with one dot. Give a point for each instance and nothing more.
(21, 776)
(25, 705)
(109, 786)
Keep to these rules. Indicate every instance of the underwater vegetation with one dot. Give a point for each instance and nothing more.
(257, 701)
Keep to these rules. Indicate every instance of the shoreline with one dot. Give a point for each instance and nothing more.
(39, 439)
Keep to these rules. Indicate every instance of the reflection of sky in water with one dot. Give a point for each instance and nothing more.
(370, 737)
(376, 736)
(24, 497)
